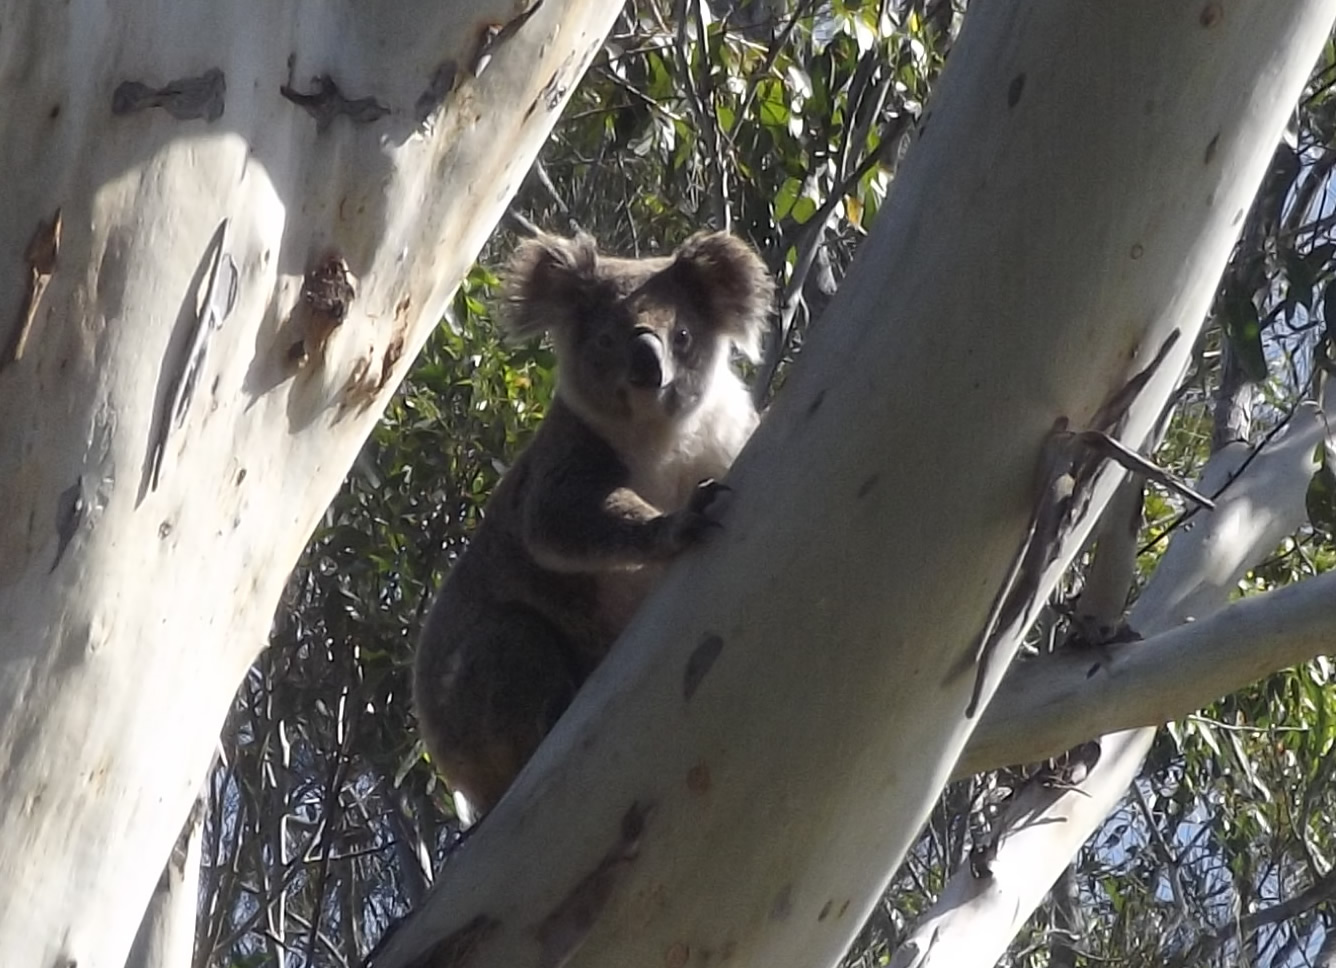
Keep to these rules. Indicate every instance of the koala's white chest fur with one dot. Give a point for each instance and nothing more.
(666, 471)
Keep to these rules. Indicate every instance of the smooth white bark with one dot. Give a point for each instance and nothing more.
(166, 937)
(132, 606)
(1178, 669)
(1153, 682)
(740, 778)
(975, 918)
(1052, 703)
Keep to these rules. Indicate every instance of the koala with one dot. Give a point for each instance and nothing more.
(616, 482)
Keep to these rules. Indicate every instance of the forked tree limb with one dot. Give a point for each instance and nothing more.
(741, 776)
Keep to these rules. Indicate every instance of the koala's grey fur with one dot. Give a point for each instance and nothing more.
(578, 530)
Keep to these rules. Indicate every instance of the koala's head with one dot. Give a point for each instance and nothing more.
(640, 341)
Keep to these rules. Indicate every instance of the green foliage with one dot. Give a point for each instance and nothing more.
(322, 736)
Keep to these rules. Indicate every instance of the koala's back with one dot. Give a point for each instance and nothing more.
(508, 641)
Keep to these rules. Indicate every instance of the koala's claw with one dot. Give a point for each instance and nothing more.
(691, 523)
(707, 492)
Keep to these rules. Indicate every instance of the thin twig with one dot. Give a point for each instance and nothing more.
(772, 55)
(812, 238)
(518, 224)
(1190, 513)
(1172, 861)
(706, 123)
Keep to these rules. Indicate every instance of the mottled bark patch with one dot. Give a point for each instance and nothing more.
(702, 659)
(326, 102)
(569, 923)
(188, 99)
(438, 88)
(459, 949)
(1015, 89)
(1212, 146)
(782, 906)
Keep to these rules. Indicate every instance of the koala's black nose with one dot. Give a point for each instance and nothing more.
(646, 364)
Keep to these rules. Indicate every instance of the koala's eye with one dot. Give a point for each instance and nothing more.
(603, 341)
(681, 339)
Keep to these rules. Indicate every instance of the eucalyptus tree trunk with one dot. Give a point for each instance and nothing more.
(737, 782)
(228, 228)
(166, 937)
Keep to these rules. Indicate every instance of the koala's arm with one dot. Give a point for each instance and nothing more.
(576, 522)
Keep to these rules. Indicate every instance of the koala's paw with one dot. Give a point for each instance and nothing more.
(689, 525)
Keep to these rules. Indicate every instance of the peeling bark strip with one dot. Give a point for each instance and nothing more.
(215, 305)
(327, 102)
(1134, 463)
(188, 99)
(440, 86)
(553, 93)
(70, 508)
(494, 35)
(1069, 468)
(40, 255)
(563, 931)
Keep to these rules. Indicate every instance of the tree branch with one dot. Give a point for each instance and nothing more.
(1322, 889)
(769, 735)
(1049, 704)
(970, 925)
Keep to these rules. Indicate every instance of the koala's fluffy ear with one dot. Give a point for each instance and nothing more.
(733, 282)
(546, 271)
